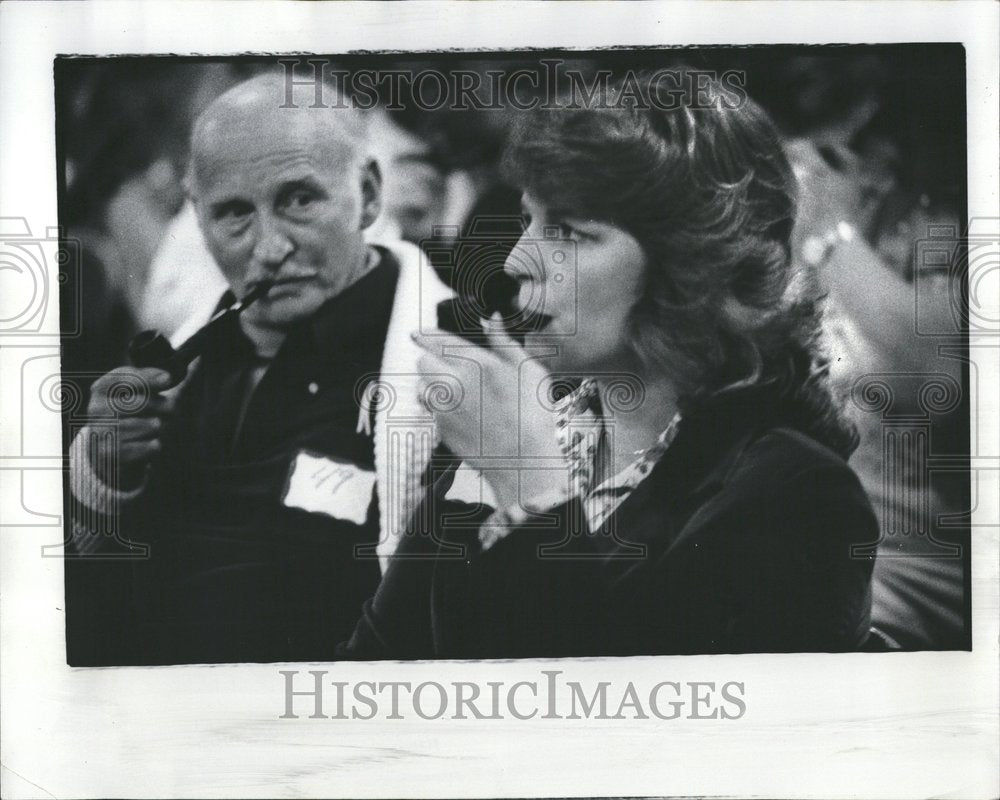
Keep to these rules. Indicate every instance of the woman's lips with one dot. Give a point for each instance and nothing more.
(540, 322)
(528, 320)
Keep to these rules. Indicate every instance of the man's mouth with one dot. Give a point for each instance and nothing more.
(287, 285)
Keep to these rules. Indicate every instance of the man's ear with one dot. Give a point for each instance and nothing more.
(371, 193)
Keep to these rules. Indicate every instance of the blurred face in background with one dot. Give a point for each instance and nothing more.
(583, 277)
(414, 188)
(282, 195)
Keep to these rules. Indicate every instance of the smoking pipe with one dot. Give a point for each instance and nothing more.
(152, 349)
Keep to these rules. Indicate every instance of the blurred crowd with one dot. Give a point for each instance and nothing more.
(876, 140)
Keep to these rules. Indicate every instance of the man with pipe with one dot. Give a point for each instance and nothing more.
(252, 482)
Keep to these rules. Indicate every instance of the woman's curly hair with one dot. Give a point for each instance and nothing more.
(707, 191)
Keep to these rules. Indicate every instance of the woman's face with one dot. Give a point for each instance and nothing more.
(583, 277)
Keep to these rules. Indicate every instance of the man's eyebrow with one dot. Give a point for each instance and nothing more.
(304, 182)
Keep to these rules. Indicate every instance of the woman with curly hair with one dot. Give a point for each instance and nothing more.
(689, 494)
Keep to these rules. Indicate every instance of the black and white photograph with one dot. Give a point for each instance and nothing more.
(561, 384)
(514, 355)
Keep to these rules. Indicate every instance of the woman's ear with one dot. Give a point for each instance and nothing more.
(371, 193)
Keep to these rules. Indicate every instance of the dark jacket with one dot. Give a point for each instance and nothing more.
(236, 571)
(739, 540)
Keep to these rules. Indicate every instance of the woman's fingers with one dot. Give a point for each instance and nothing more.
(451, 354)
(431, 364)
(437, 340)
(502, 344)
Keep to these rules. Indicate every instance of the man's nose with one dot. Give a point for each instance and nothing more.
(273, 245)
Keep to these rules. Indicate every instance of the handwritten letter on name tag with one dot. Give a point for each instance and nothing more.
(336, 488)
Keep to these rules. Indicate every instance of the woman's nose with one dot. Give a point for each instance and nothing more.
(523, 262)
(524, 265)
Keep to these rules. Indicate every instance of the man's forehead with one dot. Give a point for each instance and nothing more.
(264, 170)
(268, 147)
(265, 126)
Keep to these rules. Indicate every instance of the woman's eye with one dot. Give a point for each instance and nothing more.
(568, 232)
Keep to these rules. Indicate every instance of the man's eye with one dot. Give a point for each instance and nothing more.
(233, 213)
(300, 201)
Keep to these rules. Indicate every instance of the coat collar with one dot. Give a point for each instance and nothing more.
(701, 461)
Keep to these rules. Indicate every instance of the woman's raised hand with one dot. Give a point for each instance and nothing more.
(496, 417)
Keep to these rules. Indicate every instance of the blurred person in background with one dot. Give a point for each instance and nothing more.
(414, 161)
(877, 151)
(124, 130)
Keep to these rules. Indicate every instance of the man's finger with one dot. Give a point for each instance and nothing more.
(131, 452)
(121, 408)
(139, 428)
(158, 379)
(162, 405)
(127, 392)
(152, 377)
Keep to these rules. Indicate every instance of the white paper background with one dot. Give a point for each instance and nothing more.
(896, 725)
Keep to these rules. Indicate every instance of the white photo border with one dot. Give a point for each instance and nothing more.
(865, 725)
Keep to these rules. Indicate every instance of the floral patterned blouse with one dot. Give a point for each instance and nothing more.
(579, 430)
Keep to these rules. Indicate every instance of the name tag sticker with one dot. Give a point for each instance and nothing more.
(335, 488)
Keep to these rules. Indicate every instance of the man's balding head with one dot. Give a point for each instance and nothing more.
(252, 112)
(283, 194)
